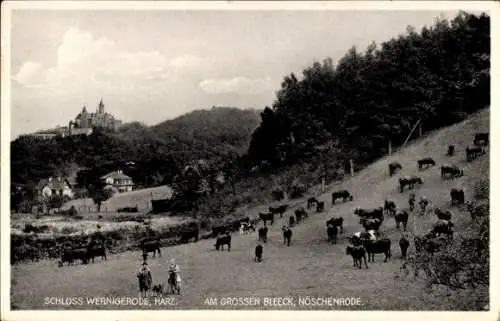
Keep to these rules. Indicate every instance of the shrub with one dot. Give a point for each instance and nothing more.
(296, 190)
(482, 189)
(278, 194)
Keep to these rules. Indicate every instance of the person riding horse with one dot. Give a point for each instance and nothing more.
(174, 278)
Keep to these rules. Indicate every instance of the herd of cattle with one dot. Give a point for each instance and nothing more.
(368, 242)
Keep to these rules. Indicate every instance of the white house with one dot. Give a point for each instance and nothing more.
(118, 181)
(51, 186)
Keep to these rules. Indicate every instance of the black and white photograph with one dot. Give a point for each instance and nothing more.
(247, 156)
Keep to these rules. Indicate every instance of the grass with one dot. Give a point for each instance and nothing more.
(310, 266)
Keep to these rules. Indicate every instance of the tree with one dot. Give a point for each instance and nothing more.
(99, 194)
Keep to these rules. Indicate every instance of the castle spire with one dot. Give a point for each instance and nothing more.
(101, 107)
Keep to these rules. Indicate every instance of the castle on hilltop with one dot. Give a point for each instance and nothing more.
(99, 119)
(83, 124)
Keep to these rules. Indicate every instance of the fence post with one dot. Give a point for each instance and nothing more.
(390, 147)
(351, 167)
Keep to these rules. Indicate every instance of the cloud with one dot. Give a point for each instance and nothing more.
(83, 61)
(240, 85)
(30, 74)
(187, 61)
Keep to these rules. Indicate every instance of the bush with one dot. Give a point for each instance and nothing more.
(278, 194)
(296, 190)
(482, 190)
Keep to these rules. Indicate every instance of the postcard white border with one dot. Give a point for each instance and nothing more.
(492, 7)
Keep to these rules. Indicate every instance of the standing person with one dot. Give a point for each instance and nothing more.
(145, 278)
(174, 276)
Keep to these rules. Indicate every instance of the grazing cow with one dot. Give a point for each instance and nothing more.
(358, 253)
(331, 231)
(451, 150)
(150, 246)
(337, 222)
(278, 209)
(258, 253)
(423, 204)
(473, 153)
(442, 227)
(291, 221)
(394, 167)
(403, 245)
(411, 201)
(451, 171)
(70, 255)
(481, 139)
(145, 280)
(263, 234)
(287, 235)
(425, 162)
(410, 182)
(186, 235)
(320, 206)
(371, 223)
(223, 240)
(389, 207)
(443, 214)
(94, 250)
(377, 213)
(477, 211)
(267, 217)
(358, 237)
(376, 247)
(343, 194)
(402, 217)
(300, 213)
(457, 196)
(311, 201)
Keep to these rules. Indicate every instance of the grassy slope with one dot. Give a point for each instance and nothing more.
(310, 266)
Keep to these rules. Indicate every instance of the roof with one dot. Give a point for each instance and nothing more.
(116, 175)
(56, 183)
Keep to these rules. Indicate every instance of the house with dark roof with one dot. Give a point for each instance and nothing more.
(53, 186)
(118, 181)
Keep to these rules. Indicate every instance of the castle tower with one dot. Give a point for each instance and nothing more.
(101, 107)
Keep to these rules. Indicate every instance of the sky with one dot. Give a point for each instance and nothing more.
(150, 66)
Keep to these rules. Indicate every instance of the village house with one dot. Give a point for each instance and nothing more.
(53, 186)
(118, 181)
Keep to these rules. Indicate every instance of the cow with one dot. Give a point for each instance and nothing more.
(94, 250)
(246, 227)
(263, 234)
(278, 209)
(186, 235)
(376, 247)
(451, 150)
(442, 227)
(377, 213)
(358, 253)
(258, 253)
(267, 217)
(425, 162)
(337, 222)
(402, 217)
(331, 232)
(287, 235)
(411, 201)
(394, 167)
(423, 202)
(300, 213)
(223, 240)
(473, 153)
(389, 207)
(481, 139)
(320, 206)
(343, 194)
(71, 254)
(443, 214)
(451, 171)
(403, 245)
(409, 181)
(457, 196)
(426, 243)
(291, 221)
(150, 246)
(371, 223)
(311, 201)
(358, 237)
